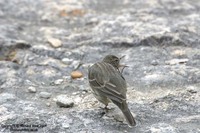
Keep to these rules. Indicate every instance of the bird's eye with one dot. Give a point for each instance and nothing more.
(116, 60)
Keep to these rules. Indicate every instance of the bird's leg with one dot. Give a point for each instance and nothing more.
(106, 107)
(104, 110)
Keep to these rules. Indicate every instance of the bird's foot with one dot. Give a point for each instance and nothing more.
(106, 109)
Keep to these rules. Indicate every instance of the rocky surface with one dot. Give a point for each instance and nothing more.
(42, 42)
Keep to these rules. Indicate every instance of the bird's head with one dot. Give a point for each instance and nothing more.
(114, 61)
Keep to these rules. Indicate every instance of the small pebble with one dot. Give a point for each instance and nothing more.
(22, 42)
(154, 62)
(75, 93)
(64, 101)
(32, 89)
(56, 43)
(178, 52)
(65, 125)
(45, 95)
(76, 74)
(192, 89)
(67, 61)
(58, 81)
(48, 104)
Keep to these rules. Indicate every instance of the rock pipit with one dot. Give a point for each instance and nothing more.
(108, 84)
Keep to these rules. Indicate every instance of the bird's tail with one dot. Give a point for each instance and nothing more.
(127, 113)
(129, 117)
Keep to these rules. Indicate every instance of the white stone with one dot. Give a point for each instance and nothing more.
(45, 95)
(32, 89)
(67, 61)
(54, 42)
(58, 81)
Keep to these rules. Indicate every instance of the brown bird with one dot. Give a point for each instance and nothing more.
(108, 84)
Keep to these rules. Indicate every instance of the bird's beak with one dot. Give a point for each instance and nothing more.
(120, 65)
(122, 57)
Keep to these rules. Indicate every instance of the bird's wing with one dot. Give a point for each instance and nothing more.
(107, 89)
(100, 80)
